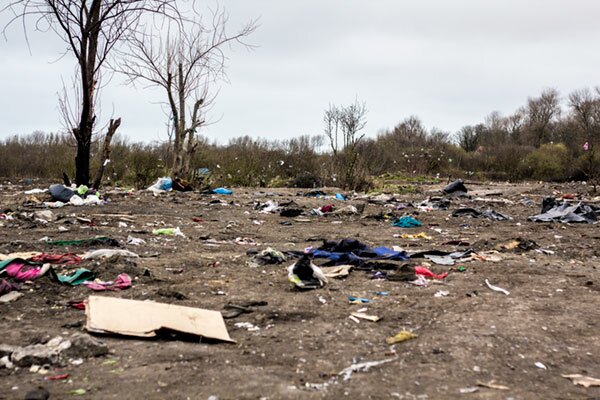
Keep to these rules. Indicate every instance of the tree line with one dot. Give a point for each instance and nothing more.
(550, 138)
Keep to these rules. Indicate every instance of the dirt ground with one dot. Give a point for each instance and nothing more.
(305, 338)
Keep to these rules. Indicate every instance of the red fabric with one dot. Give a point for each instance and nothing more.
(328, 208)
(123, 281)
(56, 377)
(67, 259)
(22, 272)
(428, 274)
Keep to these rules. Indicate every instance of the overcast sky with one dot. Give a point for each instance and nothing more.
(450, 62)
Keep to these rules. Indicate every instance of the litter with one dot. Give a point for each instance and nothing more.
(123, 281)
(306, 275)
(372, 318)
(441, 293)
(162, 185)
(135, 241)
(420, 235)
(107, 253)
(358, 300)
(540, 365)
(346, 373)
(222, 190)
(340, 271)
(585, 381)
(168, 232)
(456, 187)
(10, 297)
(496, 288)
(407, 222)
(96, 241)
(552, 211)
(492, 385)
(401, 337)
(146, 318)
(489, 214)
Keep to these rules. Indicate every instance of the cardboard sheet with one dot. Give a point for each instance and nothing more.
(144, 318)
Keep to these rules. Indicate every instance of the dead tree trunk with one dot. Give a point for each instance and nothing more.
(112, 128)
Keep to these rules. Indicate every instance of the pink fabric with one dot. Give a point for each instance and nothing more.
(427, 273)
(123, 281)
(17, 270)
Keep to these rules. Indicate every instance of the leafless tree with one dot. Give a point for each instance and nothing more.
(184, 60)
(342, 128)
(541, 112)
(91, 30)
(585, 109)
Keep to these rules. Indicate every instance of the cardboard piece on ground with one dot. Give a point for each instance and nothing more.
(144, 318)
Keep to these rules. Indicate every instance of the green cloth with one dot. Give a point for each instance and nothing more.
(77, 278)
(100, 240)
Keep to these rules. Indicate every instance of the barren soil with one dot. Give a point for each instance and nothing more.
(305, 338)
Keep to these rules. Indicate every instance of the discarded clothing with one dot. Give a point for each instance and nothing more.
(407, 222)
(489, 214)
(353, 252)
(315, 193)
(341, 197)
(7, 287)
(100, 240)
(306, 275)
(63, 259)
(61, 193)
(105, 253)
(566, 212)
(222, 190)
(457, 187)
(76, 278)
(22, 270)
(267, 256)
(428, 274)
(123, 281)
(434, 203)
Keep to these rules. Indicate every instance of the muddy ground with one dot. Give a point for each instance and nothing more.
(305, 339)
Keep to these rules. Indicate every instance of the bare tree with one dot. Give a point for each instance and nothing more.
(342, 128)
(541, 112)
(91, 29)
(184, 63)
(585, 109)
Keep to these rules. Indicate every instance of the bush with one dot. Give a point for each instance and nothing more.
(549, 163)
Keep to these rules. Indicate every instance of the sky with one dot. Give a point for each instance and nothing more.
(449, 62)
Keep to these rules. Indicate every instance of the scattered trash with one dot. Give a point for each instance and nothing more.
(496, 288)
(566, 212)
(456, 187)
(421, 235)
(407, 222)
(164, 184)
(222, 190)
(540, 365)
(581, 380)
(340, 271)
(107, 253)
(492, 385)
(346, 373)
(306, 275)
(135, 241)
(123, 281)
(247, 325)
(96, 241)
(358, 300)
(168, 232)
(401, 337)
(114, 315)
(441, 293)
(467, 390)
(372, 318)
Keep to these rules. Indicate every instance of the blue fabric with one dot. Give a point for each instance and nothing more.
(407, 222)
(222, 191)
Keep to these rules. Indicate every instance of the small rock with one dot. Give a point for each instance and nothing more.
(37, 394)
(85, 346)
